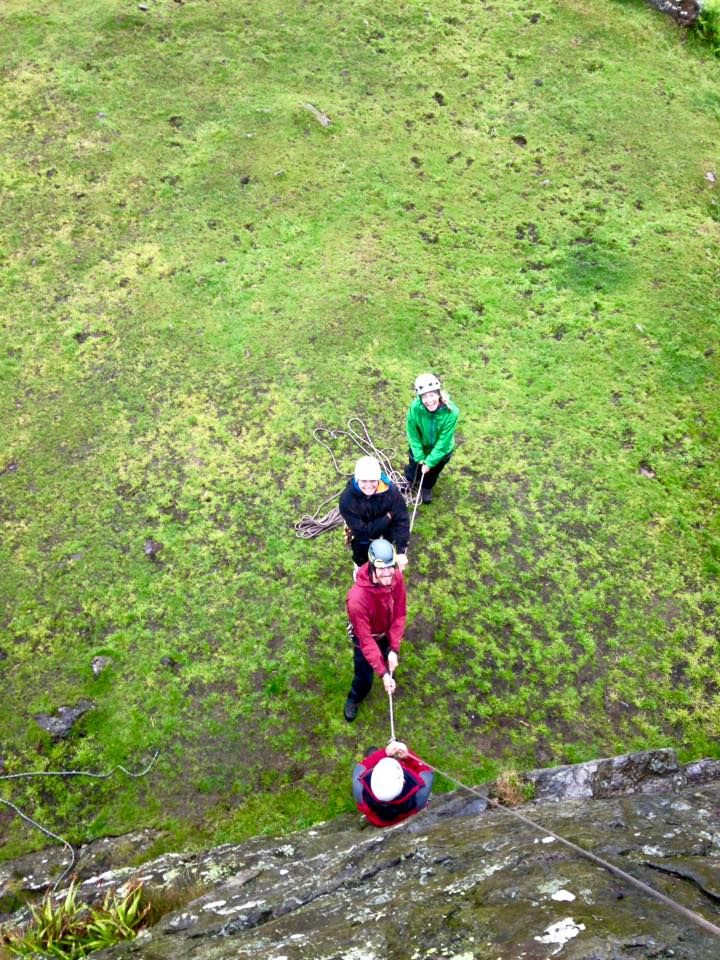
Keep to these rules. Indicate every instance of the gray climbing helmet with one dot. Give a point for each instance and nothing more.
(381, 554)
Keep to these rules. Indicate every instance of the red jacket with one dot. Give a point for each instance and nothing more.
(388, 813)
(373, 611)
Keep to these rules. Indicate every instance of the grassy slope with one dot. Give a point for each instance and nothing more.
(195, 274)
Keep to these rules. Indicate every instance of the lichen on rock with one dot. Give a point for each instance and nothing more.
(459, 880)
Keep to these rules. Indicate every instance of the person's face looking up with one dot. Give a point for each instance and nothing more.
(368, 487)
(384, 575)
(431, 400)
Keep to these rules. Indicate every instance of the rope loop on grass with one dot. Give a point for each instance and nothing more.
(81, 773)
(67, 773)
(312, 525)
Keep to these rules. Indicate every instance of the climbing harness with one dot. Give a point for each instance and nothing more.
(67, 773)
(357, 433)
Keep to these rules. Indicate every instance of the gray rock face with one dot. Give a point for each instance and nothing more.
(702, 771)
(653, 771)
(458, 881)
(99, 664)
(36, 872)
(685, 12)
(60, 723)
(464, 887)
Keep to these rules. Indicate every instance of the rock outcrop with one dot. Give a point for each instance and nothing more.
(459, 880)
(60, 723)
(685, 12)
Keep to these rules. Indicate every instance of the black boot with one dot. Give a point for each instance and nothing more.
(350, 710)
(426, 494)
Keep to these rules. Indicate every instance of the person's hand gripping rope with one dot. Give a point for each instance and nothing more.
(388, 681)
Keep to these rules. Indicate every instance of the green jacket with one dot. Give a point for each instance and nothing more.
(431, 435)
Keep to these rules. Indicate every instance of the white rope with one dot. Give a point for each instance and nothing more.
(81, 773)
(48, 833)
(618, 871)
(417, 501)
(66, 773)
(392, 719)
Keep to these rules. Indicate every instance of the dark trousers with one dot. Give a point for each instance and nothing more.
(412, 471)
(364, 673)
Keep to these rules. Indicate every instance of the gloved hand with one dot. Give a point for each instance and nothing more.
(388, 683)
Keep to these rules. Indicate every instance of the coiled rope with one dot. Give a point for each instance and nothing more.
(67, 773)
(357, 433)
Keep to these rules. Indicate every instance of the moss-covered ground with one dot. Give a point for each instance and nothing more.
(195, 273)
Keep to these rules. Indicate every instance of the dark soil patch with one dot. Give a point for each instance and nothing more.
(420, 632)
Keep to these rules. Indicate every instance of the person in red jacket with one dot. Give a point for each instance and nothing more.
(391, 785)
(377, 611)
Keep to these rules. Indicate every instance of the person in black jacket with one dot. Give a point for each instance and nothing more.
(373, 507)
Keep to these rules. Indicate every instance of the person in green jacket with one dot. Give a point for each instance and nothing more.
(431, 423)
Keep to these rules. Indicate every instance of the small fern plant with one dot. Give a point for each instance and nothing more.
(68, 929)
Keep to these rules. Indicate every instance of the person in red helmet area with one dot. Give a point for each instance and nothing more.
(377, 611)
(391, 785)
(372, 507)
(431, 422)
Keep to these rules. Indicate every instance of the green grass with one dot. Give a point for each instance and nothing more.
(708, 24)
(195, 274)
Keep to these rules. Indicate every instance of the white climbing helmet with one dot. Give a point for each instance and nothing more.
(426, 383)
(367, 468)
(387, 779)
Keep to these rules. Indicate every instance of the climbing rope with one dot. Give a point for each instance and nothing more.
(618, 871)
(392, 719)
(357, 433)
(81, 773)
(66, 773)
(48, 833)
(417, 501)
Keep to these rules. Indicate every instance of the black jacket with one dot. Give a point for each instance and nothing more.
(367, 516)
